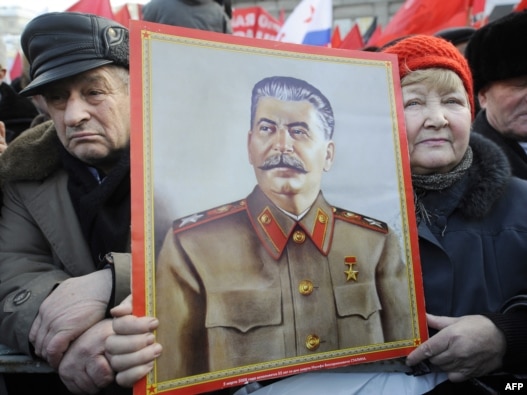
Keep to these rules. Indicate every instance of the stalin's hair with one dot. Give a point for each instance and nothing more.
(294, 89)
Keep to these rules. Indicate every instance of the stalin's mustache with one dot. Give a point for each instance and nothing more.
(281, 160)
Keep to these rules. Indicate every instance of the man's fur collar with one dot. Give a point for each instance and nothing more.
(32, 156)
(487, 177)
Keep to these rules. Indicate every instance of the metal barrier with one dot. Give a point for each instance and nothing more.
(14, 362)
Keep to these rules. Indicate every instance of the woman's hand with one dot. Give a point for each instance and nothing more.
(465, 347)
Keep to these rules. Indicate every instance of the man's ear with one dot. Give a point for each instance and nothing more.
(330, 155)
(482, 97)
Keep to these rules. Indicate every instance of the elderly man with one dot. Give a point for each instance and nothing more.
(499, 69)
(281, 273)
(66, 203)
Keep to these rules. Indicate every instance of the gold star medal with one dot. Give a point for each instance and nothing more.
(350, 273)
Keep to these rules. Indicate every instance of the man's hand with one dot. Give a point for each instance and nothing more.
(84, 369)
(132, 349)
(465, 347)
(3, 144)
(74, 306)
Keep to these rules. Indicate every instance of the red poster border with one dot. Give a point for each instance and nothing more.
(138, 31)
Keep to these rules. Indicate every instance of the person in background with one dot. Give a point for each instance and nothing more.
(23, 79)
(65, 218)
(471, 225)
(499, 69)
(38, 101)
(16, 112)
(197, 14)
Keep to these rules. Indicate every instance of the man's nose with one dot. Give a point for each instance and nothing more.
(76, 111)
(284, 141)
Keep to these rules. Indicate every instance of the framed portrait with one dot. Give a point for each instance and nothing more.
(272, 210)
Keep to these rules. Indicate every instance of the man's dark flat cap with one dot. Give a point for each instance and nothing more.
(63, 44)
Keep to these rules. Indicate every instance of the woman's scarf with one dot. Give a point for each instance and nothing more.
(437, 182)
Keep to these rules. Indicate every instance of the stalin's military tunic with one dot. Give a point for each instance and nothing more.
(245, 283)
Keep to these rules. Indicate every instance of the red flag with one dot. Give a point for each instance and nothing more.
(336, 41)
(425, 17)
(478, 6)
(123, 16)
(522, 5)
(254, 22)
(353, 39)
(16, 68)
(97, 7)
(375, 36)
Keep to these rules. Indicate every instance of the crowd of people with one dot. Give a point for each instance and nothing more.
(65, 214)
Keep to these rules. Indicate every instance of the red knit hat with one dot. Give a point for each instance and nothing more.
(423, 52)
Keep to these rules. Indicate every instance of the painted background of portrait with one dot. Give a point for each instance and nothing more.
(203, 100)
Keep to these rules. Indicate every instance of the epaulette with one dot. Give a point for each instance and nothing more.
(203, 217)
(359, 219)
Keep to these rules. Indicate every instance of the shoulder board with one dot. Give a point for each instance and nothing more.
(360, 220)
(203, 217)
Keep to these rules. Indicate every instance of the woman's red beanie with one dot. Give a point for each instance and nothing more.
(423, 52)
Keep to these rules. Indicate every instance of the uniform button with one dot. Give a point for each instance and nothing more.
(305, 287)
(322, 218)
(312, 342)
(265, 219)
(299, 237)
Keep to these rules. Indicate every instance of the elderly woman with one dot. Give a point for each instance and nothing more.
(471, 217)
(472, 237)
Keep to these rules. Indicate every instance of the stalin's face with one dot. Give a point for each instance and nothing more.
(288, 149)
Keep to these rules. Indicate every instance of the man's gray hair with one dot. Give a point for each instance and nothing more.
(294, 89)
